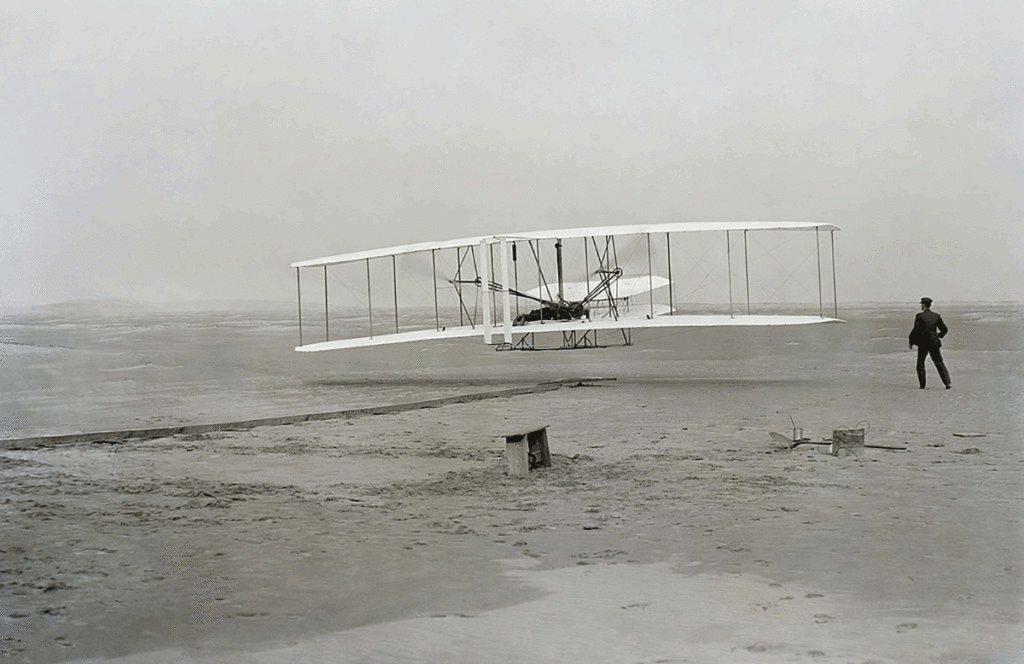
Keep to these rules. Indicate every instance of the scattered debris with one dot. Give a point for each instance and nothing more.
(850, 440)
(842, 438)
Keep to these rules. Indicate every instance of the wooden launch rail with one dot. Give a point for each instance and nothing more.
(120, 436)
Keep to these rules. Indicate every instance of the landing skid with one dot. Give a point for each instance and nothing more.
(570, 341)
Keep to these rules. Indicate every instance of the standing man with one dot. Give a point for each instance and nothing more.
(926, 335)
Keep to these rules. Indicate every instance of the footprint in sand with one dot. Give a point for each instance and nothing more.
(905, 627)
(822, 618)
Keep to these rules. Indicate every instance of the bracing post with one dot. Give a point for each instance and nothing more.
(298, 286)
(746, 270)
(668, 259)
(327, 313)
(650, 275)
(491, 293)
(369, 296)
(728, 262)
(458, 283)
(586, 263)
(817, 254)
(394, 276)
(433, 271)
(506, 302)
(515, 268)
(558, 265)
(541, 286)
(485, 280)
(835, 293)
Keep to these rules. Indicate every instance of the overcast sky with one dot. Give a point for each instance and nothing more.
(169, 151)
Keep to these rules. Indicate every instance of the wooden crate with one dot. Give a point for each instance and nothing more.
(527, 450)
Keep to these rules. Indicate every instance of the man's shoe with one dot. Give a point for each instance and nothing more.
(948, 387)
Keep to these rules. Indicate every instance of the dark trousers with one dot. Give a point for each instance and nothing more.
(936, 353)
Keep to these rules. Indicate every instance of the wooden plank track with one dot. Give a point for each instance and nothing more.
(114, 437)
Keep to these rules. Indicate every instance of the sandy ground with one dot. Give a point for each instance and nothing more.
(670, 528)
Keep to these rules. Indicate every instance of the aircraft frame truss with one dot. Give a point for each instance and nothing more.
(509, 289)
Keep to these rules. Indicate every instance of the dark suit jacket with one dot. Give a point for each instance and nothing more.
(928, 329)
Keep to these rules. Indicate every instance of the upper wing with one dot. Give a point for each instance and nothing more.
(565, 233)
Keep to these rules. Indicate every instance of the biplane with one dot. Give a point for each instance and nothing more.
(562, 288)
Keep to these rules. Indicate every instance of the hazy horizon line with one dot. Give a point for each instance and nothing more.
(203, 303)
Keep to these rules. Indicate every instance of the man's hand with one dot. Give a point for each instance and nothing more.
(910, 346)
